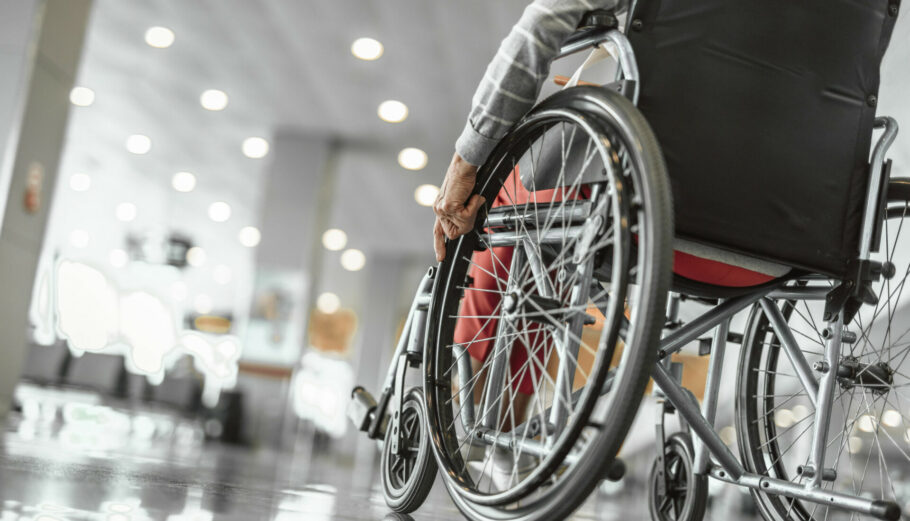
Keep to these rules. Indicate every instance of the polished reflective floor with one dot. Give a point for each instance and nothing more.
(53, 474)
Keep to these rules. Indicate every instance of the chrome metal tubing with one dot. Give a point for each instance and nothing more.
(712, 388)
(870, 214)
(825, 398)
(789, 489)
(706, 322)
(569, 347)
(534, 213)
(421, 302)
(465, 395)
(800, 293)
(538, 271)
(625, 55)
(507, 440)
(704, 430)
(558, 237)
(791, 348)
(626, 59)
(585, 41)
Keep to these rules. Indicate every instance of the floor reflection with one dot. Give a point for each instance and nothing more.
(47, 476)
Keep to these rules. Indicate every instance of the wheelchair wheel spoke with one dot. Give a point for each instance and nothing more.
(539, 328)
(868, 441)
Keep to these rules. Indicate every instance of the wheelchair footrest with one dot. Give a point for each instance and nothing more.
(362, 408)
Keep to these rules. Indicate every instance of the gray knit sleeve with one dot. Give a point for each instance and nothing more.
(513, 79)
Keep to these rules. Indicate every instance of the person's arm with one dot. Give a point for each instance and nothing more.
(513, 79)
(507, 91)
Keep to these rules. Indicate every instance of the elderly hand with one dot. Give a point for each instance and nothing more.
(455, 213)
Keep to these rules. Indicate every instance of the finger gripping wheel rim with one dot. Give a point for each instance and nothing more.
(407, 477)
(683, 495)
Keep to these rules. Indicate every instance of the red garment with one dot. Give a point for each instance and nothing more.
(478, 331)
(716, 273)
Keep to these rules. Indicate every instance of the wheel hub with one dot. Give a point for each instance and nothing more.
(402, 464)
(877, 377)
(510, 302)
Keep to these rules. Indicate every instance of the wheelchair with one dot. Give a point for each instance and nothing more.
(728, 166)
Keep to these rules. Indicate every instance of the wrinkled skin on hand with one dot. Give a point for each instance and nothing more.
(455, 208)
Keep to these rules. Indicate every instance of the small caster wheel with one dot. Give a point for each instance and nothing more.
(683, 496)
(408, 476)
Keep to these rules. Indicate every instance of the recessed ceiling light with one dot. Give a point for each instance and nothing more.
(328, 302)
(219, 211)
(138, 144)
(126, 212)
(79, 238)
(412, 158)
(255, 147)
(392, 111)
(249, 236)
(334, 239)
(118, 258)
(353, 260)
(425, 195)
(80, 182)
(221, 274)
(213, 99)
(160, 37)
(183, 182)
(203, 304)
(195, 256)
(366, 48)
(82, 96)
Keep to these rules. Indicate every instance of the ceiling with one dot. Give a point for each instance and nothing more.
(286, 66)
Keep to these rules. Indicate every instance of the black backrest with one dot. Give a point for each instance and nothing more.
(764, 111)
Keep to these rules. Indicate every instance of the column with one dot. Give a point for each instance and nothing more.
(30, 162)
(297, 193)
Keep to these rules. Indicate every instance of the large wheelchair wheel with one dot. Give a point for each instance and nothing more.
(868, 442)
(574, 245)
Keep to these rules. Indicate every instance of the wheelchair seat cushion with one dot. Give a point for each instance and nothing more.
(722, 268)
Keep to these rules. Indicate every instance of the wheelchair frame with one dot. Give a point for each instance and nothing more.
(371, 417)
(701, 420)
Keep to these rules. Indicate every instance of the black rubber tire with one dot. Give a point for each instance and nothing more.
(610, 109)
(407, 497)
(695, 498)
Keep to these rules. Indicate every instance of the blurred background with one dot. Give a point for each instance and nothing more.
(214, 217)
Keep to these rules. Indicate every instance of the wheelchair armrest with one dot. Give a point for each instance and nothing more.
(591, 30)
(604, 18)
